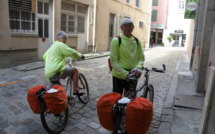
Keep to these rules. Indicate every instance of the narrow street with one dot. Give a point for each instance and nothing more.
(17, 118)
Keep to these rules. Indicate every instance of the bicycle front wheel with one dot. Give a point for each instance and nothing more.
(83, 85)
(148, 92)
(53, 123)
(117, 123)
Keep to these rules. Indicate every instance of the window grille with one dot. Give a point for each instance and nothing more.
(43, 28)
(63, 22)
(81, 23)
(23, 5)
(71, 24)
(21, 17)
(68, 6)
(73, 17)
(42, 8)
(82, 9)
(154, 15)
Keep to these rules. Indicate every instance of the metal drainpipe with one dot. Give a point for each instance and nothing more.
(94, 26)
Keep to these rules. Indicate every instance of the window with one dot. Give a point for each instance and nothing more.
(154, 15)
(181, 5)
(73, 17)
(21, 17)
(43, 19)
(155, 3)
(81, 21)
(141, 24)
(43, 8)
(137, 3)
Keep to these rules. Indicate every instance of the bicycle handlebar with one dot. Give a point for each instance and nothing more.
(132, 76)
(156, 70)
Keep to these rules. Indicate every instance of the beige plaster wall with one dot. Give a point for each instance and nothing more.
(105, 7)
(10, 40)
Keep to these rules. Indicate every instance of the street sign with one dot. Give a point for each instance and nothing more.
(191, 6)
(159, 26)
(179, 31)
(190, 10)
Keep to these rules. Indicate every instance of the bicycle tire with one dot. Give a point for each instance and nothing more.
(86, 97)
(149, 93)
(47, 126)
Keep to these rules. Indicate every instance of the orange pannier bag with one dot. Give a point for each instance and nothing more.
(139, 114)
(56, 102)
(33, 99)
(105, 109)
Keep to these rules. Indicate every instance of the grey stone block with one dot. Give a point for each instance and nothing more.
(167, 118)
(103, 131)
(165, 128)
(94, 125)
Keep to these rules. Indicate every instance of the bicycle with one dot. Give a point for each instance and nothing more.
(119, 108)
(55, 123)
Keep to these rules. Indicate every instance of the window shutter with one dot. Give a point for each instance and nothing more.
(155, 3)
(23, 5)
(154, 15)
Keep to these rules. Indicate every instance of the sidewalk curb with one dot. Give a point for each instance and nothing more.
(170, 119)
(41, 64)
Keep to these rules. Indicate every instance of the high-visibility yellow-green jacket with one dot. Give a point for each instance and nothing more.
(55, 58)
(126, 56)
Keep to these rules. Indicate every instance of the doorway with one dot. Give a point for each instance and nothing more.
(44, 22)
(178, 39)
(112, 28)
(156, 37)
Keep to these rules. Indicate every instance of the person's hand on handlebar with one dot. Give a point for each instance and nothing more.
(131, 76)
(137, 72)
(83, 57)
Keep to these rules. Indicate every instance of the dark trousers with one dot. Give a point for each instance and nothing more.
(119, 85)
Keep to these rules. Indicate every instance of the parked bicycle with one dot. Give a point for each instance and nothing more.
(55, 123)
(121, 105)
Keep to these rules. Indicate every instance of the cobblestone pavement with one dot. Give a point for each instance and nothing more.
(17, 118)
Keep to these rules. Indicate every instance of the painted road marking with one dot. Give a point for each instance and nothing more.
(9, 83)
(4, 83)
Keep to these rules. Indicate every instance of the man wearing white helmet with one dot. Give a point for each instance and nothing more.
(126, 56)
(55, 61)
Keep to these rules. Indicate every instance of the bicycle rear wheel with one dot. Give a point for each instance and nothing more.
(148, 92)
(53, 123)
(83, 85)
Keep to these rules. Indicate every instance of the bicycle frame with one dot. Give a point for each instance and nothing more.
(133, 85)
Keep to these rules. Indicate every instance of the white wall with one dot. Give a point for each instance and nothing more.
(175, 18)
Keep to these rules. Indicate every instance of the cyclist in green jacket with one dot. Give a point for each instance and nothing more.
(125, 56)
(55, 61)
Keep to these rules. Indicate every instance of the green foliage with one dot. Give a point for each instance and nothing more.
(169, 38)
